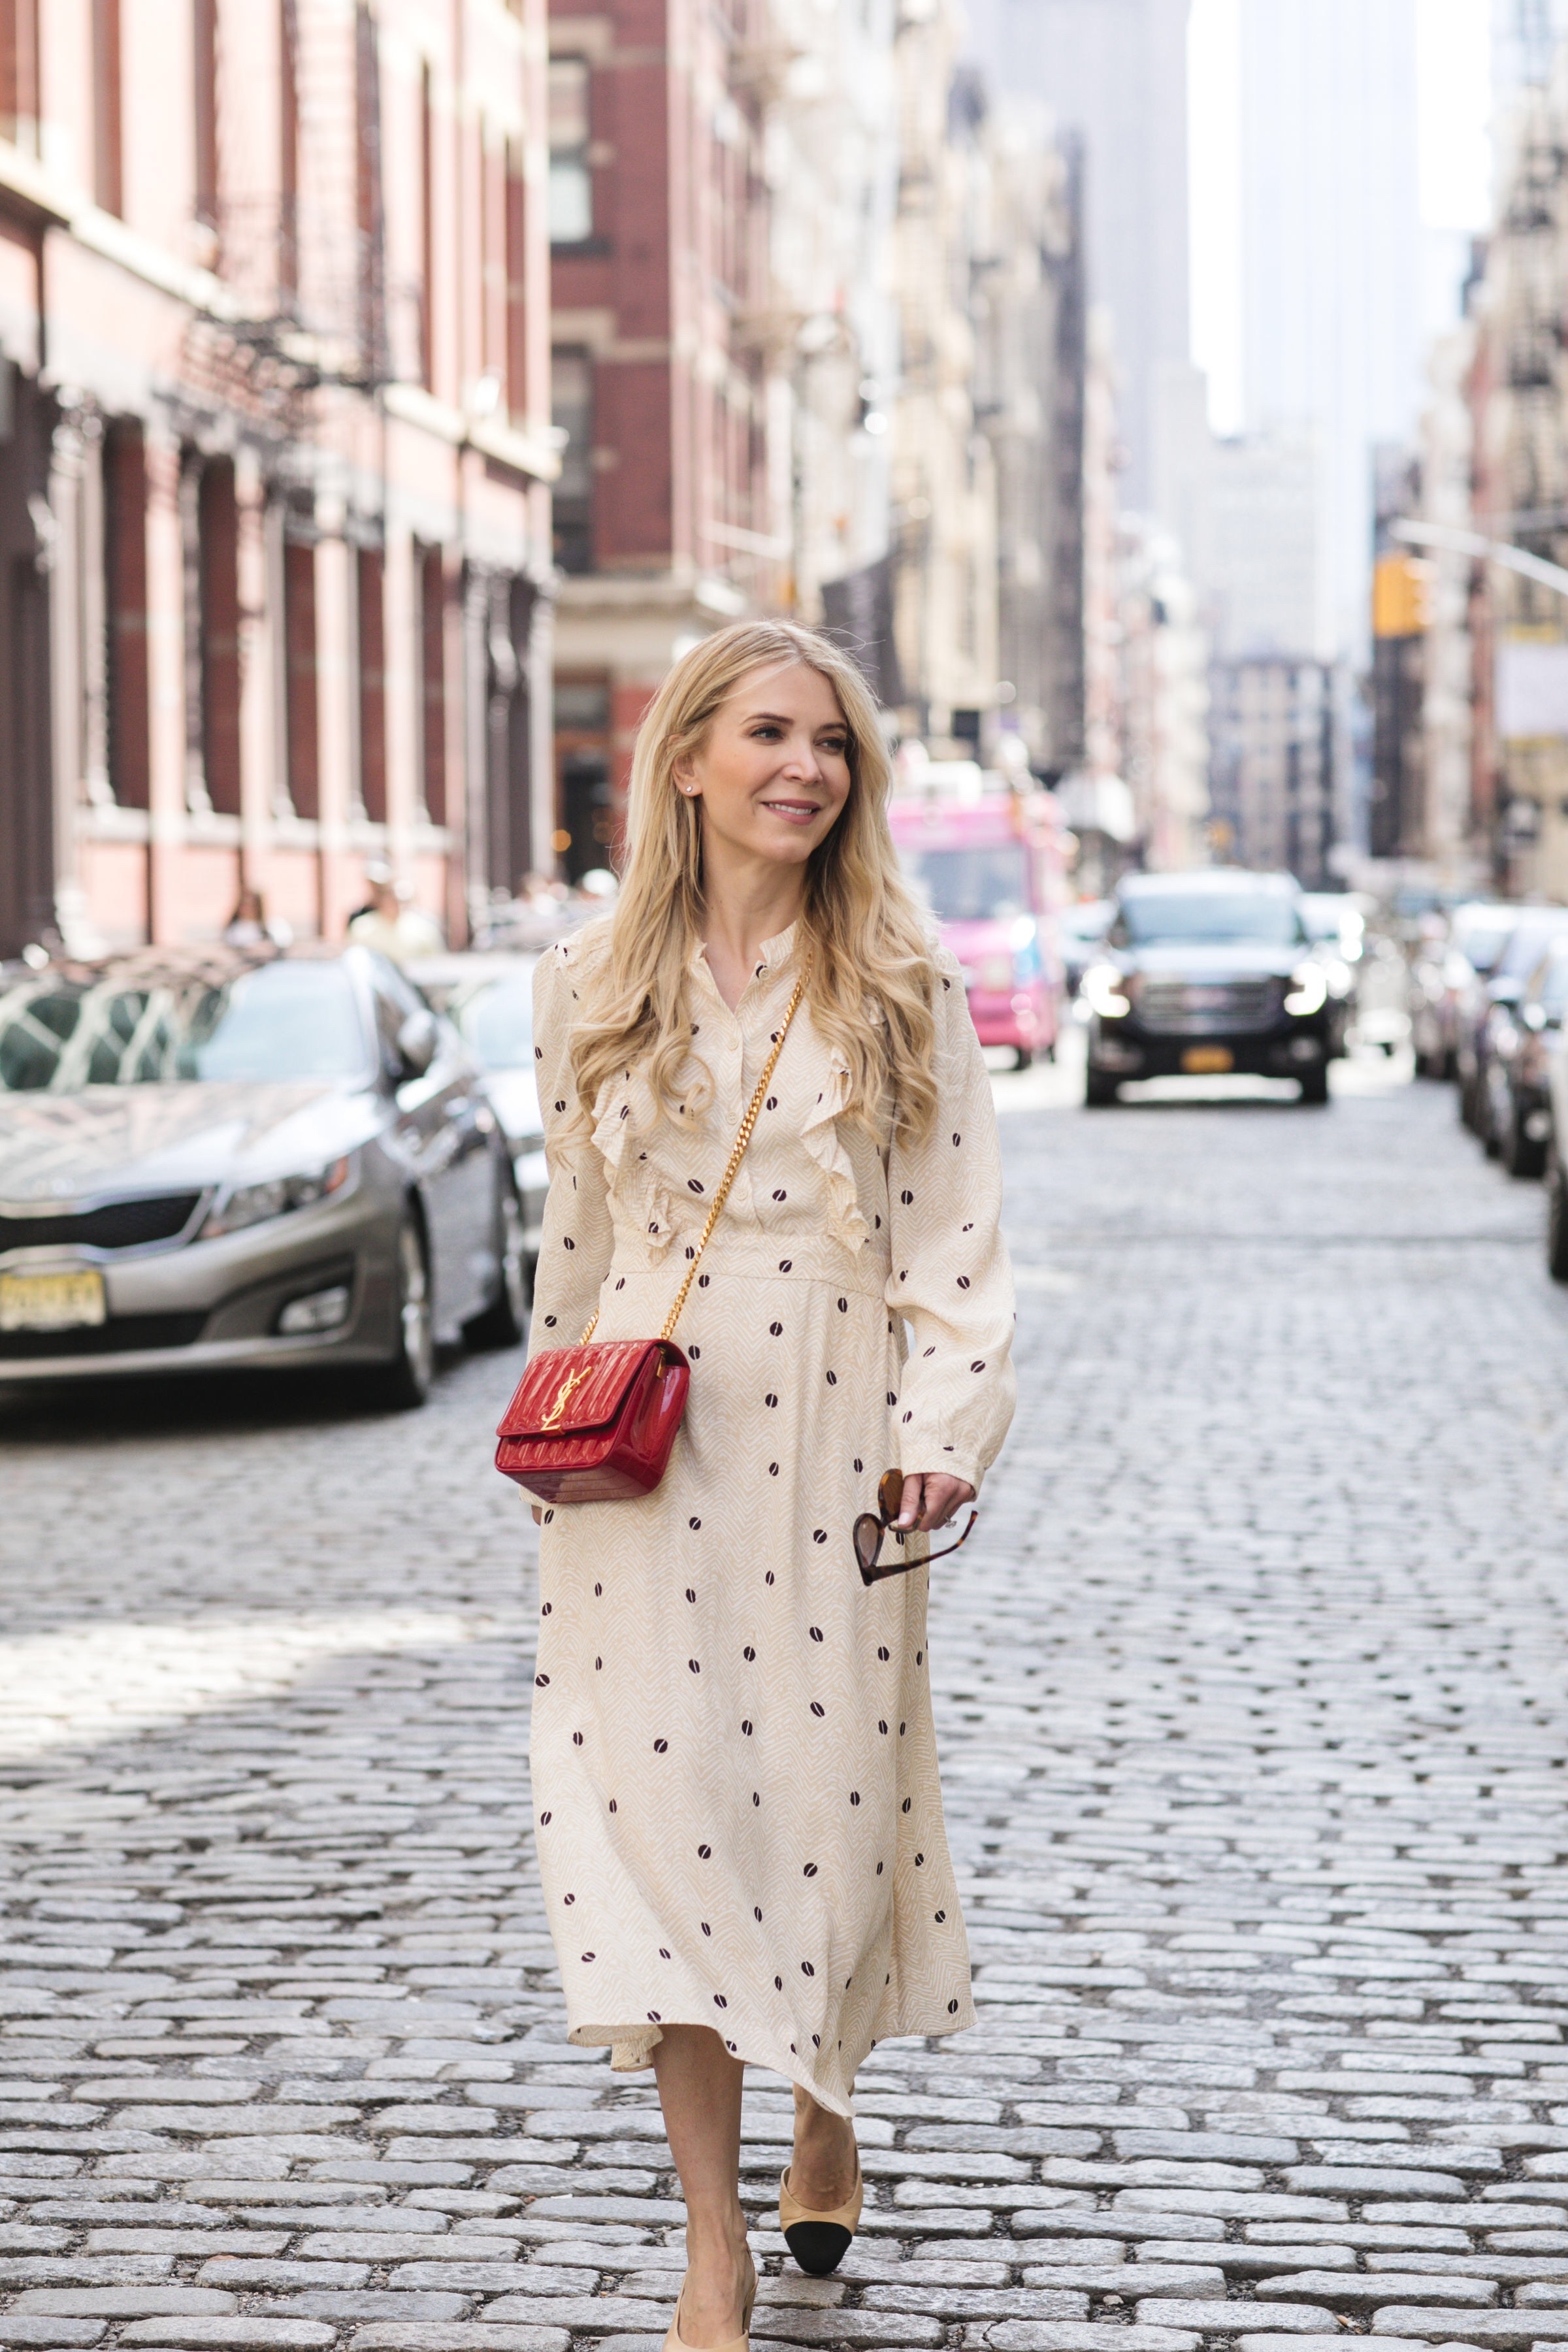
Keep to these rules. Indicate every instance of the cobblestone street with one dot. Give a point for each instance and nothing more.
(1251, 1687)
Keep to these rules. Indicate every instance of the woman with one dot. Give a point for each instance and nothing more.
(739, 1822)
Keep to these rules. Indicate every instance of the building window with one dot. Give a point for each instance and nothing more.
(516, 283)
(108, 124)
(125, 611)
(368, 218)
(302, 736)
(19, 73)
(287, 149)
(217, 540)
(571, 176)
(372, 579)
(204, 46)
(572, 409)
(427, 228)
(433, 682)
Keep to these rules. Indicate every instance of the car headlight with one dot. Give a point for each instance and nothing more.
(1309, 990)
(253, 1204)
(1104, 990)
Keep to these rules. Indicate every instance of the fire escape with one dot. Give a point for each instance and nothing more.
(301, 268)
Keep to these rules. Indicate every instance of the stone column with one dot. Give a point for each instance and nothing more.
(335, 715)
(475, 798)
(405, 674)
(165, 684)
(93, 606)
(540, 663)
(259, 640)
(64, 558)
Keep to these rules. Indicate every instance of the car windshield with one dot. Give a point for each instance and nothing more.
(280, 1023)
(1324, 917)
(970, 886)
(1482, 939)
(1525, 942)
(497, 1021)
(1211, 918)
(1552, 984)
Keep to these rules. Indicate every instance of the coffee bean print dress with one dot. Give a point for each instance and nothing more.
(735, 1785)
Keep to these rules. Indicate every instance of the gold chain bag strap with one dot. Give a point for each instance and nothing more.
(594, 1424)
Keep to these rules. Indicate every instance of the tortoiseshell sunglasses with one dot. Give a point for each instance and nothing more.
(872, 1526)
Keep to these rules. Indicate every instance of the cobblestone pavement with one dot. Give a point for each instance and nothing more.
(1251, 1696)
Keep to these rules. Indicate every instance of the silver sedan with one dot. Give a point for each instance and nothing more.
(488, 995)
(226, 1158)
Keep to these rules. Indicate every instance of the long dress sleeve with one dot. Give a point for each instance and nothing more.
(950, 1279)
(576, 1243)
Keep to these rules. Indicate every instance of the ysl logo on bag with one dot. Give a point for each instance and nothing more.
(563, 1396)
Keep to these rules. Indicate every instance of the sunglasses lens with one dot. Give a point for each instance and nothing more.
(868, 1539)
(890, 1492)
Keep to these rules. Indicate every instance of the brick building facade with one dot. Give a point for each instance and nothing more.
(660, 276)
(274, 456)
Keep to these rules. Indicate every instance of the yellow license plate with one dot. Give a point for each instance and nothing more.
(1202, 1061)
(52, 1302)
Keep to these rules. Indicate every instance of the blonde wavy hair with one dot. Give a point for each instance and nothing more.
(871, 978)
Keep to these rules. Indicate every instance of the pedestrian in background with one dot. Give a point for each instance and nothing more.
(391, 922)
(250, 926)
(738, 1816)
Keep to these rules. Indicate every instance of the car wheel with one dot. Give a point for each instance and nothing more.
(1315, 1086)
(1022, 1056)
(504, 1320)
(1556, 1220)
(404, 1382)
(1099, 1089)
(1521, 1156)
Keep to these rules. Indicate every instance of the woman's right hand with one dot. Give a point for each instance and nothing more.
(931, 1499)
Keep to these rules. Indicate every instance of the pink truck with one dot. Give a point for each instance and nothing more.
(989, 863)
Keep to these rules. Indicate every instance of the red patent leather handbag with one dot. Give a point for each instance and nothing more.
(596, 1425)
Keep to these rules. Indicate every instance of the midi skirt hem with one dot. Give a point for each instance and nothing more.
(632, 2048)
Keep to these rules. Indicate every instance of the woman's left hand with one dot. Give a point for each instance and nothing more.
(931, 1499)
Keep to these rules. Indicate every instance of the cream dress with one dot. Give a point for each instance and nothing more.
(734, 1768)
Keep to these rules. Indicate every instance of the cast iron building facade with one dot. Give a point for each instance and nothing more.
(274, 495)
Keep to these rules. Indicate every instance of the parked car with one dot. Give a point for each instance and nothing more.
(1206, 973)
(1557, 1157)
(1336, 927)
(1519, 1113)
(1485, 1014)
(232, 1156)
(488, 998)
(1442, 968)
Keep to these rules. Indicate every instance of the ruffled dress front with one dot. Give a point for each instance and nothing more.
(734, 1768)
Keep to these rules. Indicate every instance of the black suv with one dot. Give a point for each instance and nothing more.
(1211, 971)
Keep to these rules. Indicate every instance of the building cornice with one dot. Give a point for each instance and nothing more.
(524, 453)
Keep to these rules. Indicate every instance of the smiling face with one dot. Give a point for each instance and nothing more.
(773, 774)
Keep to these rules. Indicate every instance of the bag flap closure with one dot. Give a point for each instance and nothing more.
(567, 1391)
